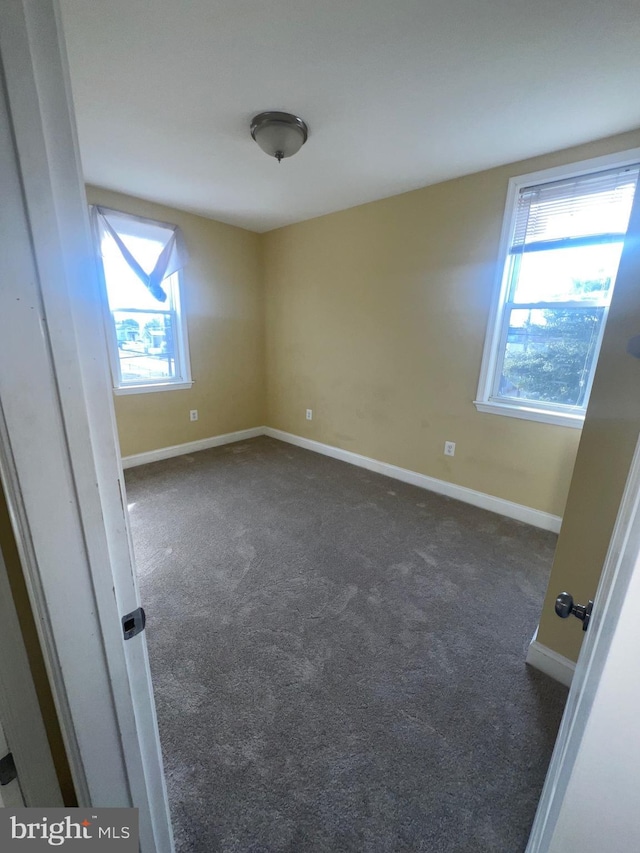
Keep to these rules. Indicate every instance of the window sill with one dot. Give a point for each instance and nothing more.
(157, 386)
(528, 413)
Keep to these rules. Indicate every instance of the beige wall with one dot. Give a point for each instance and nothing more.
(376, 319)
(608, 442)
(222, 291)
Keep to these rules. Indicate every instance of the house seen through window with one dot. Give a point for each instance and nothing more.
(565, 239)
(146, 329)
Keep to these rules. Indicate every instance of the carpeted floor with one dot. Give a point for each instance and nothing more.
(338, 658)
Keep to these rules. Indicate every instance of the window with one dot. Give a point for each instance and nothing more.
(562, 241)
(146, 329)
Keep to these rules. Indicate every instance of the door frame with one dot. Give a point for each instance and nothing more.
(59, 456)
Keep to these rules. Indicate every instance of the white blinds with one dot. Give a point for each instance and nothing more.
(165, 250)
(589, 206)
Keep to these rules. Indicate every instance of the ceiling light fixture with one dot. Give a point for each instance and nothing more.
(279, 134)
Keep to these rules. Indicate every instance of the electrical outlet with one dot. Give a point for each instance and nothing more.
(193, 415)
(449, 448)
(309, 414)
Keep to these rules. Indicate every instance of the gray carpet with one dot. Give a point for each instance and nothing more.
(338, 658)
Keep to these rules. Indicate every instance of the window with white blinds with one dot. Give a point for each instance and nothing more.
(564, 240)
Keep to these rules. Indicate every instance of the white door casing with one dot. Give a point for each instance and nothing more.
(59, 459)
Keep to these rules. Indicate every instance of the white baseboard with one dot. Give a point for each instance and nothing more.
(535, 517)
(190, 447)
(551, 663)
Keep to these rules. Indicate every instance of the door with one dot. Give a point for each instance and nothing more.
(589, 800)
(59, 462)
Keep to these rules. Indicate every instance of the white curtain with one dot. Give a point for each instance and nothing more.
(172, 255)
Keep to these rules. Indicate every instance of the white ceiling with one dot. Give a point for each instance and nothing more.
(397, 94)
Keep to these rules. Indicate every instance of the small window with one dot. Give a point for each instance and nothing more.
(146, 328)
(564, 238)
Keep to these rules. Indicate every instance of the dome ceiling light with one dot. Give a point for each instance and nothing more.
(279, 134)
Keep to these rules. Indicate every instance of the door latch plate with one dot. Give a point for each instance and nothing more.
(133, 623)
(8, 770)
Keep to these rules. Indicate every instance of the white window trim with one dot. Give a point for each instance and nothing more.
(484, 402)
(527, 413)
(180, 383)
(158, 386)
